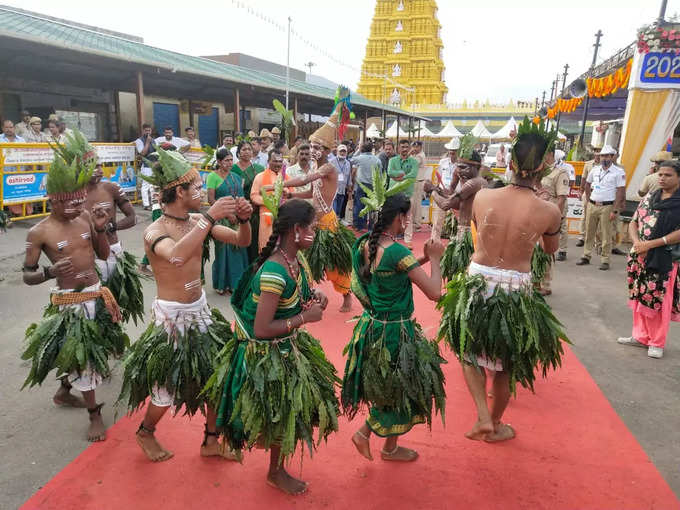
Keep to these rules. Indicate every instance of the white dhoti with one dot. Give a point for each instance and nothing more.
(176, 318)
(88, 379)
(107, 266)
(508, 280)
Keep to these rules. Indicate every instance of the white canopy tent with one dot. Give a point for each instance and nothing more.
(424, 133)
(373, 131)
(480, 130)
(392, 131)
(449, 131)
(504, 132)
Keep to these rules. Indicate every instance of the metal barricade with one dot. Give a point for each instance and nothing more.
(24, 167)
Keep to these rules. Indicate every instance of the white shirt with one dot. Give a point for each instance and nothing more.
(177, 142)
(570, 169)
(604, 183)
(139, 145)
(446, 170)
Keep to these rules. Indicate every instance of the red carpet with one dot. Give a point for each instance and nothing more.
(572, 451)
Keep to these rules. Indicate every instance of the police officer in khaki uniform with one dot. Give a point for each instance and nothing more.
(554, 188)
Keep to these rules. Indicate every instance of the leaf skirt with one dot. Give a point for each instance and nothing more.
(126, 286)
(516, 327)
(275, 394)
(66, 340)
(540, 262)
(395, 371)
(331, 250)
(181, 363)
(457, 256)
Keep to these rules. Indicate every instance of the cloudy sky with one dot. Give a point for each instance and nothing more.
(494, 50)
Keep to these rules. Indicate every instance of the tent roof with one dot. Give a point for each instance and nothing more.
(373, 131)
(504, 132)
(425, 133)
(480, 130)
(392, 131)
(449, 131)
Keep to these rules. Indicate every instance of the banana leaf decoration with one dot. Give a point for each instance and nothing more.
(375, 198)
(272, 201)
(287, 117)
(209, 159)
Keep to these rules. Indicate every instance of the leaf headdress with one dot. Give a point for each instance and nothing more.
(76, 147)
(72, 167)
(170, 170)
(532, 144)
(375, 198)
(467, 152)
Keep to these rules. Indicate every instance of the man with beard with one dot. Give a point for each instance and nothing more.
(302, 167)
(265, 180)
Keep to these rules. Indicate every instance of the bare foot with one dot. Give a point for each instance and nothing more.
(480, 431)
(63, 397)
(97, 431)
(218, 449)
(362, 445)
(283, 481)
(503, 432)
(152, 448)
(346, 303)
(400, 454)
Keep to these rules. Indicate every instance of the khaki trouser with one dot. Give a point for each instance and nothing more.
(598, 216)
(584, 219)
(417, 203)
(564, 233)
(438, 219)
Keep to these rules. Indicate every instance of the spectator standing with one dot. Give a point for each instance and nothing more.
(170, 138)
(145, 145)
(582, 193)
(259, 156)
(276, 138)
(424, 174)
(501, 157)
(62, 127)
(293, 154)
(22, 127)
(192, 139)
(35, 134)
(344, 168)
(9, 136)
(364, 163)
(54, 135)
(651, 181)
(386, 154)
(445, 172)
(560, 163)
(302, 168)
(653, 279)
(606, 193)
(399, 169)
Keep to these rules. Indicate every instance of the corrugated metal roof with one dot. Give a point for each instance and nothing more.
(33, 27)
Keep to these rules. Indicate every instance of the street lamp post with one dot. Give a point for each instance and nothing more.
(586, 103)
(564, 84)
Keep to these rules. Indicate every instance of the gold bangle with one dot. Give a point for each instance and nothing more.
(289, 325)
(665, 242)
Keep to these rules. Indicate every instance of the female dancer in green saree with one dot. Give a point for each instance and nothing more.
(230, 261)
(248, 170)
(391, 367)
(275, 382)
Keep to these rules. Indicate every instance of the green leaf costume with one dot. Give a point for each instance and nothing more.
(391, 367)
(274, 391)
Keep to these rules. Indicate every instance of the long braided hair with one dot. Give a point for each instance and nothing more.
(394, 206)
(292, 212)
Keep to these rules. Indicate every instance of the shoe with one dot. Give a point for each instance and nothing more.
(616, 251)
(583, 261)
(629, 340)
(655, 352)
(580, 243)
(604, 266)
(561, 256)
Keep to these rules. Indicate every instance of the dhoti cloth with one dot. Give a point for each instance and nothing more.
(107, 266)
(493, 318)
(173, 359)
(331, 253)
(79, 331)
(120, 274)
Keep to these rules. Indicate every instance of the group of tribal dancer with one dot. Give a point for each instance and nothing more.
(264, 381)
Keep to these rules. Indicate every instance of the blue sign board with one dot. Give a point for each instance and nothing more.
(23, 187)
(660, 68)
(125, 177)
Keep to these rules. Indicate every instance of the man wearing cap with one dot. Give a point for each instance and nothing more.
(276, 136)
(651, 181)
(267, 140)
(445, 172)
(35, 134)
(561, 164)
(582, 193)
(25, 124)
(606, 193)
(344, 168)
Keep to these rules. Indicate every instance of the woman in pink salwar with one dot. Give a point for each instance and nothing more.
(653, 279)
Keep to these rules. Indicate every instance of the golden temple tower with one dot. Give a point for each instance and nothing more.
(403, 63)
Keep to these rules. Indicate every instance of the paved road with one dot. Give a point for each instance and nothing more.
(37, 440)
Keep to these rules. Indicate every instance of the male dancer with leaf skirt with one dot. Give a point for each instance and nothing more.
(173, 359)
(493, 318)
(80, 329)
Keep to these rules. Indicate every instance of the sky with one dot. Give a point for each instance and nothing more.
(495, 50)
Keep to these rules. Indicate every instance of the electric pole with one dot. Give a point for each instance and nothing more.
(598, 36)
